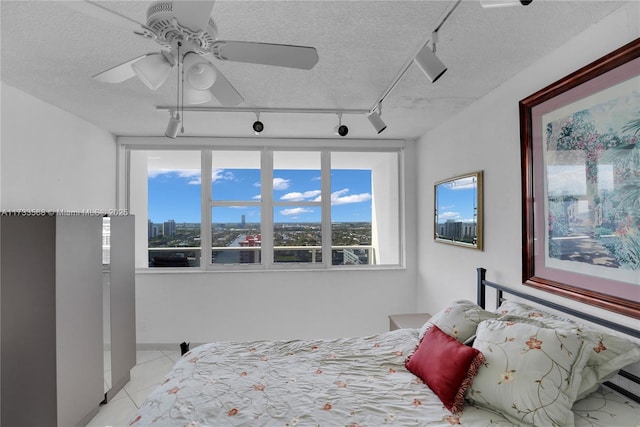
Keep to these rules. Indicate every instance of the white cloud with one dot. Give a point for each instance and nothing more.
(295, 211)
(340, 198)
(193, 175)
(281, 183)
(296, 196)
(221, 175)
(257, 197)
(278, 184)
(448, 215)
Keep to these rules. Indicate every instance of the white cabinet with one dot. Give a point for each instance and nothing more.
(51, 320)
(121, 330)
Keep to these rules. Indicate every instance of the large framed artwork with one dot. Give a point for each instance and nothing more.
(580, 152)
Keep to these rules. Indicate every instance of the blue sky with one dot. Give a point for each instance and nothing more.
(456, 201)
(175, 194)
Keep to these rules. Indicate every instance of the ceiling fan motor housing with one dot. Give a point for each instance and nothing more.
(162, 21)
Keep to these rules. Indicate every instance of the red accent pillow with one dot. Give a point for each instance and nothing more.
(446, 366)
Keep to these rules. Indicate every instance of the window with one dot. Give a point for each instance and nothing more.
(365, 228)
(169, 181)
(235, 207)
(267, 208)
(297, 207)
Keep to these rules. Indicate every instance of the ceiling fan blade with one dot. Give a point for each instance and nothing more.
(223, 90)
(193, 14)
(90, 8)
(119, 73)
(280, 55)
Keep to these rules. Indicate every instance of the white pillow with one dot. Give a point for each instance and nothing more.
(459, 320)
(607, 356)
(531, 374)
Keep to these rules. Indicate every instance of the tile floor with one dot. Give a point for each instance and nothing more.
(151, 367)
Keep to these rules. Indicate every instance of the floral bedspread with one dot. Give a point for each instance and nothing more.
(357, 381)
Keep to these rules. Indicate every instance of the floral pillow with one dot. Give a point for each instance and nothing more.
(531, 374)
(459, 320)
(608, 354)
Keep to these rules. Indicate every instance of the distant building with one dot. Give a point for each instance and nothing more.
(243, 221)
(252, 256)
(153, 229)
(457, 230)
(169, 228)
(453, 229)
(469, 229)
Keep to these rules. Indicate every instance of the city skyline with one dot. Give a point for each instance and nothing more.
(453, 201)
(175, 195)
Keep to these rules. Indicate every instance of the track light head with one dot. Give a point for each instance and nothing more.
(341, 130)
(376, 121)
(429, 63)
(258, 127)
(173, 125)
(504, 3)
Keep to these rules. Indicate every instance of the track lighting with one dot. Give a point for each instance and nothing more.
(503, 3)
(154, 69)
(376, 120)
(428, 62)
(173, 125)
(340, 129)
(258, 126)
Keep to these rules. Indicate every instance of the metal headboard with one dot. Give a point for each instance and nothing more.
(483, 283)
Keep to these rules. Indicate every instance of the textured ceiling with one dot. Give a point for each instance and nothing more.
(51, 51)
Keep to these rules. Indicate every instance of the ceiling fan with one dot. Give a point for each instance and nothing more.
(189, 37)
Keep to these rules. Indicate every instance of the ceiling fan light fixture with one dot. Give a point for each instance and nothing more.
(200, 74)
(429, 63)
(154, 69)
(504, 3)
(193, 96)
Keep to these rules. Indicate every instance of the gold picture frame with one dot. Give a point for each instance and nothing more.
(458, 211)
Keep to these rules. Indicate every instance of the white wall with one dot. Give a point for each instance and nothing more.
(51, 159)
(203, 307)
(486, 137)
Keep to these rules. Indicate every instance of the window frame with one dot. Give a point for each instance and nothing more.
(207, 146)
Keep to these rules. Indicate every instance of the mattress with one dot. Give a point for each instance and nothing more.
(359, 381)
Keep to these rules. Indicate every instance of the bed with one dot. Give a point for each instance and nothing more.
(515, 365)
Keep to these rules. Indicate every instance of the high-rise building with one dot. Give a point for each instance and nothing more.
(252, 256)
(243, 221)
(169, 228)
(453, 229)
